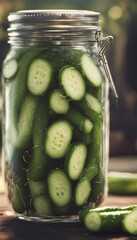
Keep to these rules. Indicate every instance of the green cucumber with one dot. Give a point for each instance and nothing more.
(58, 102)
(20, 196)
(12, 62)
(39, 76)
(82, 192)
(38, 165)
(79, 136)
(25, 122)
(90, 70)
(94, 153)
(15, 160)
(104, 209)
(96, 92)
(42, 206)
(129, 222)
(59, 187)
(79, 120)
(98, 184)
(18, 89)
(58, 139)
(75, 160)
(37, 188)
(91, 107)
(104, 221)
(110, 219)
(40, 199)
(122, 183)
(72, 83)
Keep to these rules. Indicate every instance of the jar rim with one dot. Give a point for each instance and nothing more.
(84, 16)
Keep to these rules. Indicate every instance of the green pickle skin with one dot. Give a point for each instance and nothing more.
(25, 133)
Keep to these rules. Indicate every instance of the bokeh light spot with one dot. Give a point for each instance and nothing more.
(115, 12)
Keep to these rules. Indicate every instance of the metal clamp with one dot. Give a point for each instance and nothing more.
(105, 44)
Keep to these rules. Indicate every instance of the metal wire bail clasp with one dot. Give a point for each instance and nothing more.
(105, 43)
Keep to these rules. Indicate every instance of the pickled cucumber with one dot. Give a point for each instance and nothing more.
(58, 117)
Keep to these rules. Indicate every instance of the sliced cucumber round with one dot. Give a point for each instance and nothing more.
(58, 102)
(42, 206)
(91, 107)
(92, 221)
(90, 70)
(39, 76)
(82, 192)
(37, 188)
(75, 160)
(129, 222)
(93, 103)
(10, 68)
(72, 83)
(58, 139)
(59, 186)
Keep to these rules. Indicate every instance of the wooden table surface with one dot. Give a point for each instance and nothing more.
(12, 228)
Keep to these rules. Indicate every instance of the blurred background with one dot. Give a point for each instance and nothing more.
(119, 19)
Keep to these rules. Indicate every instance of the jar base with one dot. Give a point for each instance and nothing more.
(51, 219)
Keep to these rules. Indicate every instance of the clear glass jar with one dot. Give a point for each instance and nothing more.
(55, 114)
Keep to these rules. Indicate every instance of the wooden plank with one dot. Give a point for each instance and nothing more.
(12, 228)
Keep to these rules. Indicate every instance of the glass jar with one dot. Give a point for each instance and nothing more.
(55, 113)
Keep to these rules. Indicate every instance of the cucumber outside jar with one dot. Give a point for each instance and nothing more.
(56, 114)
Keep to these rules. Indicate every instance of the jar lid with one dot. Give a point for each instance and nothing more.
(80, 16)
(58, 26)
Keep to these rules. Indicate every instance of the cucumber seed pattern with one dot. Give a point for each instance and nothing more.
(58, 139)
(39, 76)
(73, 83)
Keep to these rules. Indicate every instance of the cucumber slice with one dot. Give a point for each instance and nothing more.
(129, 222)
(90, 70)
(59, 187)
(37, 188)
(92, 221)
(72, 83)
(39, 76)
(82, 192)
(38, 165)
(91, 107)
(58, 139)
(79, 120)
(42, 206)
(10, 68)
(25, 123)
(93, 103)
(58, 103)
(75, 160)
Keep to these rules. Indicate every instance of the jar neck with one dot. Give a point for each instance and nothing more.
(55, 35)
